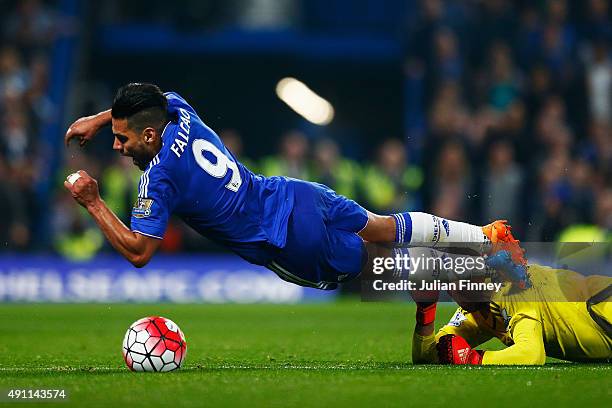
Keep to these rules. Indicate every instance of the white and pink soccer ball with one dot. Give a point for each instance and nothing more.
(154, 343)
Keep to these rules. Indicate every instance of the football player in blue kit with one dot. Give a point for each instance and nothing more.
(303, 231)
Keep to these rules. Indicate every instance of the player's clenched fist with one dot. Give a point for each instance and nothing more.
(83, 187)
(453, 349)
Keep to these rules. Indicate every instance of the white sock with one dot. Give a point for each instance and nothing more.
(429, 228)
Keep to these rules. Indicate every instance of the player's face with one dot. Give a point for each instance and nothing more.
(133, 144)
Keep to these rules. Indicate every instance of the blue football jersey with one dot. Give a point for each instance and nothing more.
(196, 177)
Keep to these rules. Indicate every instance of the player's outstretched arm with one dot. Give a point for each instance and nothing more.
(528, 347)
(136, 248)
(85, 128)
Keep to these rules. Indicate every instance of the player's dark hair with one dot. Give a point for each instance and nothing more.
(143, 105)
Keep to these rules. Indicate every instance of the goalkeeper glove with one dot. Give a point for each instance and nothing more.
(454, 349)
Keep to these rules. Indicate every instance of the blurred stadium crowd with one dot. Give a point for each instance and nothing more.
(518, 110)
(28, 30)
(508, 114)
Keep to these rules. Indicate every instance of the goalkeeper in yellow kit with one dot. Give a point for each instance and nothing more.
(561, 314)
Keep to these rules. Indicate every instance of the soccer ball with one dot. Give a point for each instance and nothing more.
(154, 344)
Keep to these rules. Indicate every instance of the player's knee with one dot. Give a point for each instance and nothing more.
(380, 228)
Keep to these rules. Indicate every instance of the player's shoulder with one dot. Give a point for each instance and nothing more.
(172, 96)
(544, 276)
(165, 166)
(177, 104)
(460, 322)
(152, 177)
(459, 317)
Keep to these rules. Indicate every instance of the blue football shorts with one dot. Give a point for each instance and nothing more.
(322, 248)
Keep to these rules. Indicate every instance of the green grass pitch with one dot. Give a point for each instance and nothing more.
(341, 354)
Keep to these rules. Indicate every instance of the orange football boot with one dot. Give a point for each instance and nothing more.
(500, 234)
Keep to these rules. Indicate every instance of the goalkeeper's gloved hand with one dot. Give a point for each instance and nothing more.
(453, 349)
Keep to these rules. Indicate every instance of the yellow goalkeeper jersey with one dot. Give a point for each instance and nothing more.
(551, 318)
